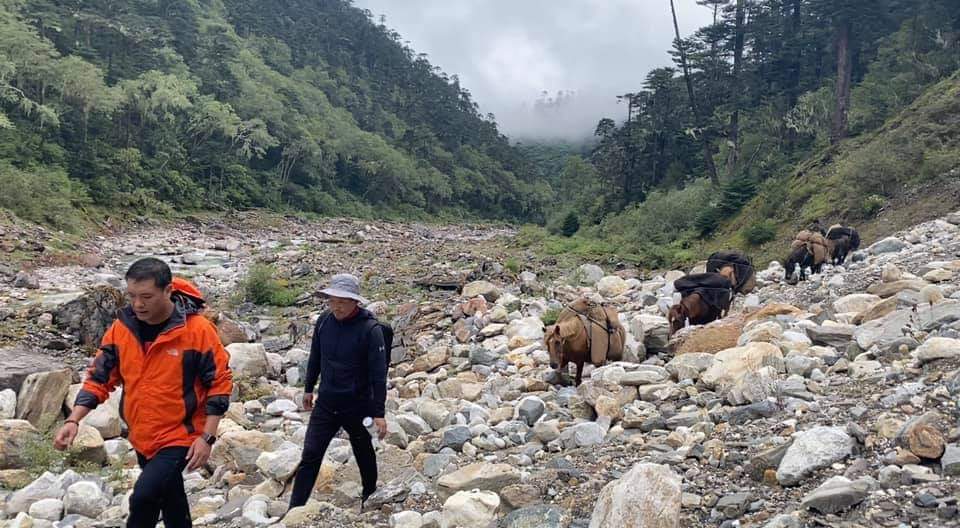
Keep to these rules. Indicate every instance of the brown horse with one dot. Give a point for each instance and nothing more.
(584, 333)
(695, 310)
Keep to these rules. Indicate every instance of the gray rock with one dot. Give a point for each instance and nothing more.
(47, 510)
(589, 274)
(248, 360)
(887, 245)
(689, 366)
(539, 516)
(455, 436)
(47, 486)
(8, 404)
(784, 521)
(41, 397)
(279, 465)
(582, 435)
(85, 498)
(413, 425)
(26, 280)
(434, 413)
(647, 496)
(836, 494)
(482, 476)
(734, 505)
(811, 450)
(531, 409)
(483, 356)
(17, 362)
(89, 315)
(435, 464)
(950, 461)
(835, 336)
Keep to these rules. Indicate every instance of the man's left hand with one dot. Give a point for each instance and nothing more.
(198, 454)
(381, 424)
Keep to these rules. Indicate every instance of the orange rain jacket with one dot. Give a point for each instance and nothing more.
(170, 388)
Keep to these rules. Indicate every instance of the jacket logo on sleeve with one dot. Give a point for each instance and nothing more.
(173, 352)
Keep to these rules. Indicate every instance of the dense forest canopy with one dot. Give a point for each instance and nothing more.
(306, 105)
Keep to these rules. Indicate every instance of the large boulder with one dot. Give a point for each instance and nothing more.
(279, 465)
(41, 397)
(432, 359)
(528, 328)
(47, 486)
(855, 303)
(732, 364)
(89, 445)
(690, 366)
(712, 338)
(888, 245)
(612, 286)
(17, 362)
(105, 418)
(647, 496)
(8, 404)
(836, 494)
(248, 360)
(470, 509)
(85, 498)
(588, 274)
(89, 315)
(16, 437)
(241, 446)
(811, 450)
(482, 475)
(938, 348)
(886, 330)
(482, 288)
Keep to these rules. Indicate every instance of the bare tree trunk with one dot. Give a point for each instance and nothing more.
(704, 140)
(734, 156)
(844, 77)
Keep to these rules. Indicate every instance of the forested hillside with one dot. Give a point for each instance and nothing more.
(311, 106)
(750, 134)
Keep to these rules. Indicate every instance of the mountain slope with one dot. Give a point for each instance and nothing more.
(904, 173)
(298, 105)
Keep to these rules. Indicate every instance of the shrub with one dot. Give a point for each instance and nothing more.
(760, 232)
(872, 204)
(261, 287)
(512, 264)
(706, 220)
(571, 224)
(43, 195)
(550, 316)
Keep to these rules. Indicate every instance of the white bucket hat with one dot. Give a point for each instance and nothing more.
(345, 286)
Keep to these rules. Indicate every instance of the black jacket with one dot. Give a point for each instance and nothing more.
(350, 359)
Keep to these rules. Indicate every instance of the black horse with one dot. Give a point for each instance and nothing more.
(802, 257)
(844, 240)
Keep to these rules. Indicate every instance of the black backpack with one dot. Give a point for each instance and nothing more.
(385, 328)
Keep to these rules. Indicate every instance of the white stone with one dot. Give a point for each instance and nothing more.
(248, 360)
(647, 496)
(85, 498)
(47, 510)
(470, 509)
(811, 450)
(279, 465)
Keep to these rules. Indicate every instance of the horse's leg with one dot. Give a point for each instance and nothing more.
(579, 377)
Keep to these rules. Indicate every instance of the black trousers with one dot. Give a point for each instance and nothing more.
(326, 420)
(160, 488)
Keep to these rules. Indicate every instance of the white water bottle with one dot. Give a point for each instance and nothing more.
(374, 433)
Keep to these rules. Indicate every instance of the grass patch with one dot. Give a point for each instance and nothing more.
(550, 316)
(760, 233)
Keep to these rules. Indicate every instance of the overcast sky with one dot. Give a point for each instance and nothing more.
(506, 52)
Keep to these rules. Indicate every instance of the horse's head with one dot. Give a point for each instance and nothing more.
(677, 317)
(797, 260)
(729, 273)
(554, 342)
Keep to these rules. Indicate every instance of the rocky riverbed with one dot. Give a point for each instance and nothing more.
(828, 403)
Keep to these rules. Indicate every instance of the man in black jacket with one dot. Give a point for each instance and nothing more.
(349, 355)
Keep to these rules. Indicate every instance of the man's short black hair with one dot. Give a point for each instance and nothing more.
(150, 268)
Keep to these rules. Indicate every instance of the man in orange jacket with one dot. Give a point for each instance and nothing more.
(176, 386)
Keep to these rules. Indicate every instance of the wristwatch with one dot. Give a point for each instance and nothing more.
(208, 438)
